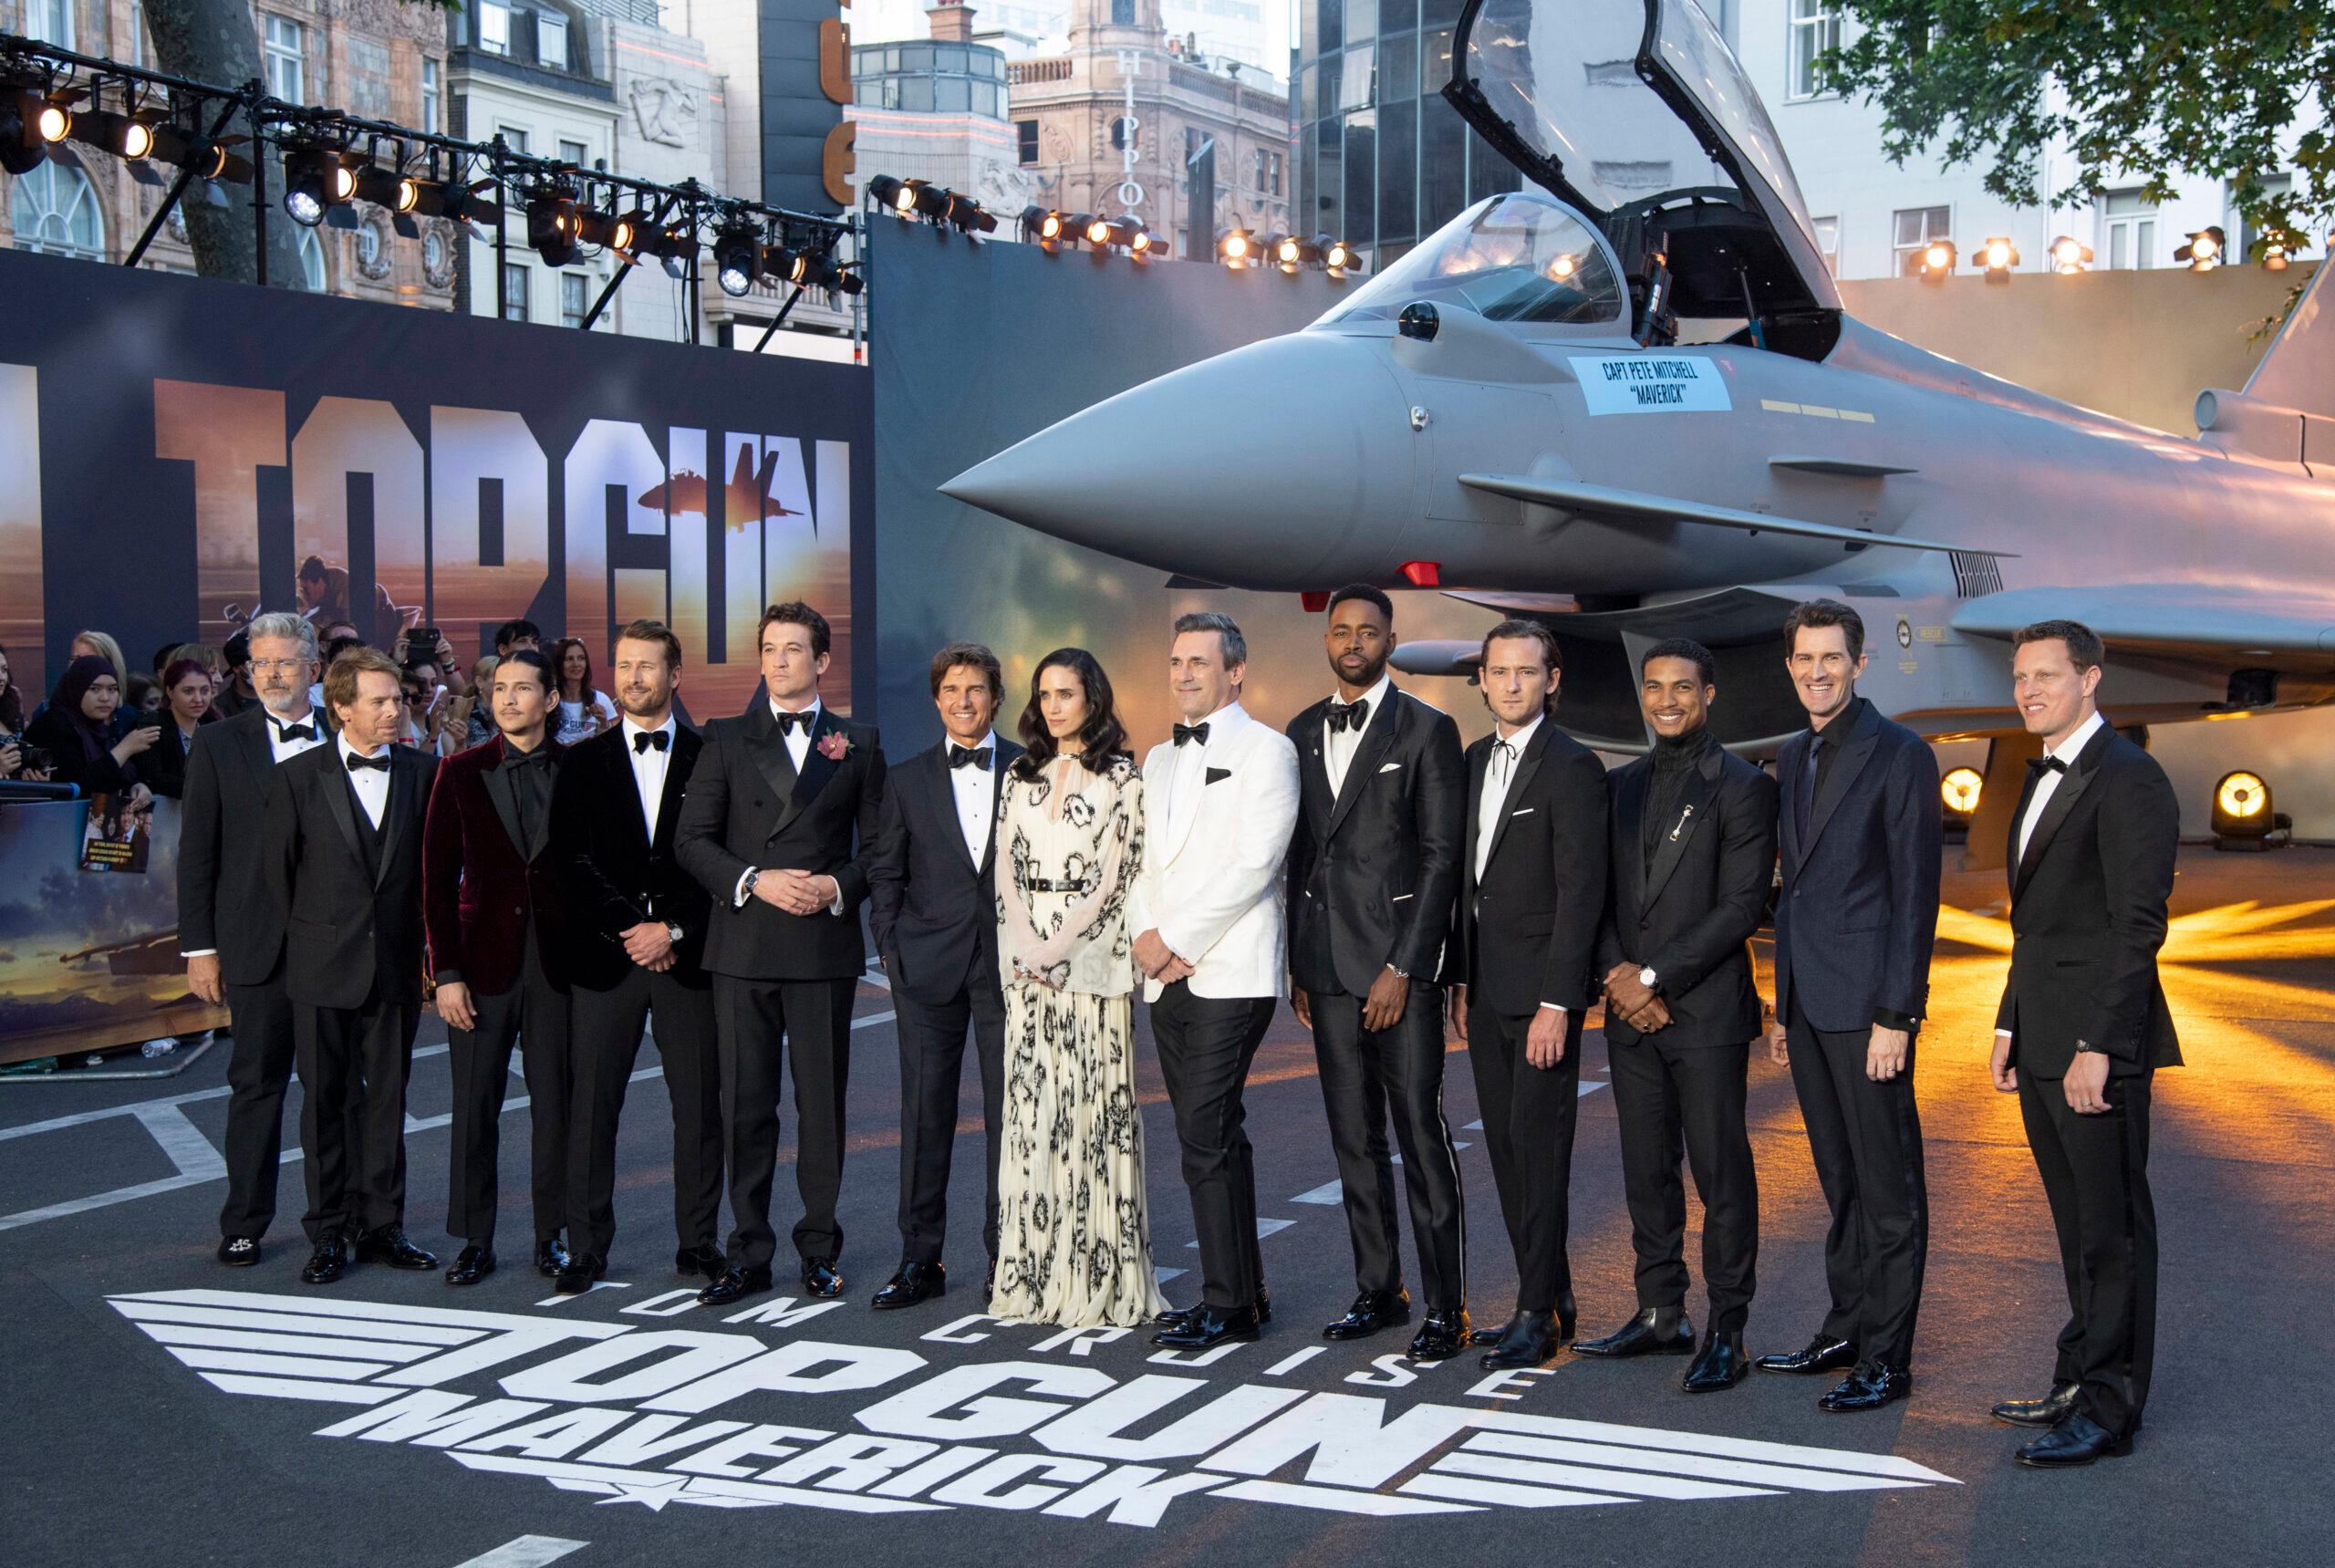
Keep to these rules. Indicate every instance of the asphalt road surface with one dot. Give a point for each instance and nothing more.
(165, 1409)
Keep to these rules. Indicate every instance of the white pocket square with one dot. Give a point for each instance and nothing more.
(1392, 768)
(1526, 812)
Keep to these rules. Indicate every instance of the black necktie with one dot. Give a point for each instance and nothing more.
(647, 737)
(1803, 804)
(1191, 733)
(1351, 715)
(2039, 766)
(805, 718)
(380, 763)
(968, 756)
(287, 733)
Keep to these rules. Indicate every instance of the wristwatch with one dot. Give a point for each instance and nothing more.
(1398, 973)
(754, 875)
(673, 930)
(1647, 976)
(2086, 1048)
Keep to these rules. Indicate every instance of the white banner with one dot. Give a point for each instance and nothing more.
(1650, 384)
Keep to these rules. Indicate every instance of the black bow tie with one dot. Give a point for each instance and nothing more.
(969, 756)
(513, 757)
(2039, 766)
(1191, 733)
(1351, 715)
(659, 739)
(379, 764)
(287, 733)
(805, 718)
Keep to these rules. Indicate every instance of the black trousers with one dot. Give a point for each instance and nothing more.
(752, 1018)
(1666, 1096)
(605, 1029)
(534, 1015)
(1866, 1140)
(2095, 1173)
(353, 1062)
(1363, 1074)
(932, 1057)
(1206, 1044)
(257, 1071)
(1530, 1114)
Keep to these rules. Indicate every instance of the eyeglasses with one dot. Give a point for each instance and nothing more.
(273, 665)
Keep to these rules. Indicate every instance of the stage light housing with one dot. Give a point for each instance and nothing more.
(125, 136)
(967, 216)
(608, 231)
(552, 227)
(737, 260)
(788, 264)
(1075, 226)
(1098, 230)
(2276, 247)
(1043, 225)
(2204, 251)
(2242, 818)
(2070, 255)
(1958, 792)
(53, 120)
(1126, 231)
(1937, 261)
(885, 190)
(1999, 255)
(1339, 256)
(388, 188)
(1236, 246)
(314, 183)
(22, 149)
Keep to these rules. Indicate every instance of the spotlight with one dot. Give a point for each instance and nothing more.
(967, 216)
(53, 120)
(388, 188)
(620, 233)
(1043, 225)
(1235, 247)
(1075, 226)
(22, 149)
(1339, 256)
(1098, 230)
(787, 264)
(737, 259)
(1999, 255)
(1937, 261)
(2204, 251)
(2070, 255)
(848, 283)
(1127, 232)
(930, 202)
(314, 183)
(1958, 792)
(1292, 253)
(552, 227)
(887, 190)
(2277, 246)
(124, 136)
(2242, 815)
(453, 201)
(209, 160)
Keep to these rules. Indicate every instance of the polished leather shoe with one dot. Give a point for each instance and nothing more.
(1641, 1337)
(2047, 1411)
(1529, 1340)
(1371, 1311)
(1721, 1365)
(1176, 1317)
(1567, 1316)
(705, 1257)
(820, 1279)
(470, 1265)
(1442, 1335)
(1822, 1354)
(552, 1257)
(1205, 1328)
(2078, 1439)
(390, 1245)
(239, 1251)
(735, 1284)
(912, 1283)
(1868, 1387)
(329, 1262)
(582, 1269)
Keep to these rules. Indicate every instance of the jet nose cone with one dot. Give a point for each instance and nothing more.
(1279, 466)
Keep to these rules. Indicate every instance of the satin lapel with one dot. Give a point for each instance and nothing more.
(1676, 833)
(1188, 810)
(2072, 784)
(941, 791)
(686, 745)
(1788, 764)
(1856, 751)
(341, 796)
(1478, 762)
(404, 790)
(998, 764)
(252, 746)
(1312, 743)
(817, 769)
(2010, 838)
(1377, 739)
(505, 797)
(768, 749)
(1526, 766)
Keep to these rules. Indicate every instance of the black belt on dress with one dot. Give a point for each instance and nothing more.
(1041, 885)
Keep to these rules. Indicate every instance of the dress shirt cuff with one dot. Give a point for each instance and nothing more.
(201, 952)
(836, 907)
(2003, 1035)
(1556, 1007)
(738, 899)
(1890, 1018)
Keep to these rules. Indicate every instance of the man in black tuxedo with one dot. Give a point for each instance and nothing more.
(636, 925)
(231, 931)
(1372, 870)
(768, 832)
(343, 862)
(498, 958)
(933, 906)
(1524, 936)
(1855, 922)
(1694, 854)
(2082, 1028)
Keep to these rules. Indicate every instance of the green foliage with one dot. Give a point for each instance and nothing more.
(2136, 90)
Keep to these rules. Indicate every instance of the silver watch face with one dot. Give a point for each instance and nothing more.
(1646, 977)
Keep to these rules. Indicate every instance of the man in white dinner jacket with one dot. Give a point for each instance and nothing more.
(1219, 806)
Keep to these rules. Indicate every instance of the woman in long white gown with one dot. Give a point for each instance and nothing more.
(1073, 1230)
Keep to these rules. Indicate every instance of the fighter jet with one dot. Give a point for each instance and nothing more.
(1518, 412)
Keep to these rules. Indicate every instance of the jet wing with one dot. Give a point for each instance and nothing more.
(2172, 618)
(1628, 508)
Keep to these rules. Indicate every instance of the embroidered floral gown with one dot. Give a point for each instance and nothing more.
(1073, 1233)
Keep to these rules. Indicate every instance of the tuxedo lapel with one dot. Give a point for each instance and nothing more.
(1000, 759)
(1478, 762)
(817, 769)
(252, 750)
(340, 798)
(940, 795)
(1856, 750)
(1312, 743)
(1629, 821)
(768, 749)
(1670, 846)
(1789, 762)
(404, 787)
(1526, 766)
(2010, 837)
(680, 762)
(2072, 785)
(504, 794)
(1378, 739)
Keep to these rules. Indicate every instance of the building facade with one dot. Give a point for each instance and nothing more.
(935, 109)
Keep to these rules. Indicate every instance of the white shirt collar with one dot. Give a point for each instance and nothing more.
(348, 750)
(1231, 716)
(775, 710)
(1376, 697)
(1522, 738)
(2069, 749)
(989, 739)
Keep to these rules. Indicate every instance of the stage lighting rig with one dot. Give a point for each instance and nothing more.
(316, 181)
(1043, 225)
(23, 149)
(1236, 246)
(2070, 255)
(1937, 261)
(2242, 817)
(2204, 251)
(1340, 257)
(737, 257)
(554, 227)
(1999, 255)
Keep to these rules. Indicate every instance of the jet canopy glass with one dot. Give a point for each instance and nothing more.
(1518, 257)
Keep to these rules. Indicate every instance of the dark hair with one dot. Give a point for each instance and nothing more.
(238, 651)
(655, 631)
(12, 703)
(1530, 630)
(971, 655)
(161, 659)
(340, 645)
(1227, 629)
(1825, 612)
(140, 688)
(1368, 594)
(559, 668)
(312, 570)
(1687, 649)
(511, 631)
(2084, 647)
(1100, 740)
(795, 612)
(535, 659)
(178, 670)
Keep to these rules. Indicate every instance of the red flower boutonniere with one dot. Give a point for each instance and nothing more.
(835, 745)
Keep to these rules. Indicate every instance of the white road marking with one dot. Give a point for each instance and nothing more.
(525, 1552)
(1328, 1193)
(1264, 1229)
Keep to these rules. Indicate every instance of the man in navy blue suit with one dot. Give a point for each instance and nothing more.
(1855, 925)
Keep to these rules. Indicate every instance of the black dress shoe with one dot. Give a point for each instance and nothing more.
(2078, 1439)
(552, 1257)
(1492, 1335)
(1822, 1354)
(1641, 1337)
(705, 1257)
(820, 1279)
(1721, 1365)
(472, 1265)
(239, 1251)
(1205, 1328)
(1371, 1311)
(912, 1283)
(582, 1269)
(2047, 1411)
(1442, 1335)
(1176, 1317)
(390, 1244)
(1868, 1387)
(1529, 1340)
(735, 1284)
(329, 1262)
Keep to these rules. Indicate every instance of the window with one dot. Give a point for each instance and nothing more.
(2131, 223)
(551, 39)
(312, 262)
(1915, 228)
(286, 51)
(512, 136)
(2245, 235)
(50, 21)
(1025, 131)
(55, 210)
(1815, 27)
(1355, 83)
(1828, 240)
(572, 303)
(514, 291)
(574, 152)
(368, 249)
(138, 32)
(493, 28)
(429, 94)
(1274, 173)
(1122, 12)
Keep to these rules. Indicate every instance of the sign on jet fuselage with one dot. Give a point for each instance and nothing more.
(1650, 384)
